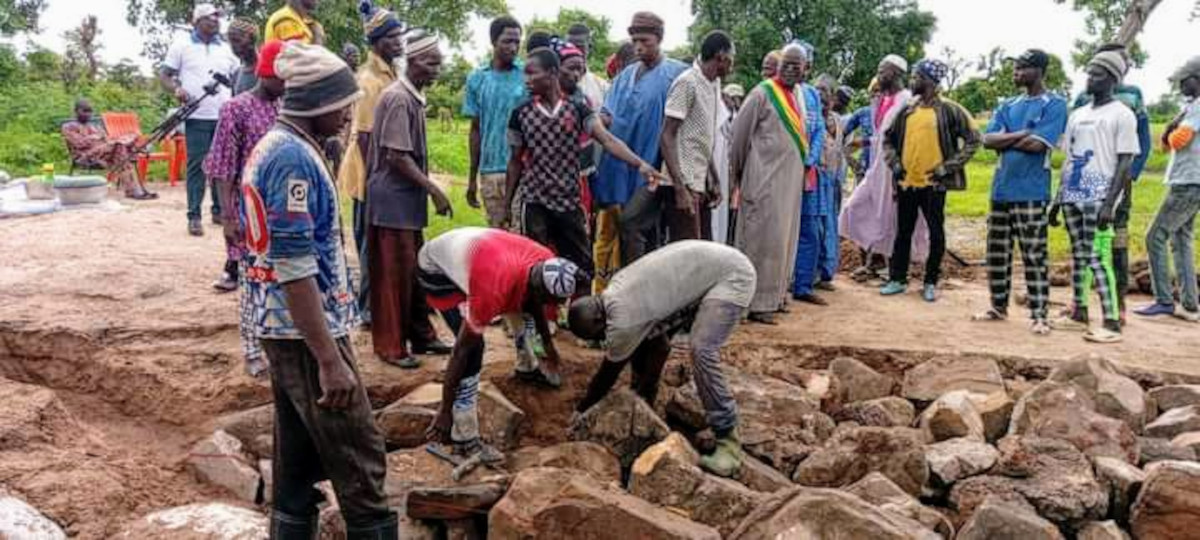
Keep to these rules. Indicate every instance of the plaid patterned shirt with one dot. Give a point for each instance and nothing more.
(546, 140)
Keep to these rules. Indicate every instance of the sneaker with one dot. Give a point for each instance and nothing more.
(1103, 335)
(826, 286)
(1039, 327)
(226, 283)
(991, 315)
(726, 460)
(929, 293)
(194, 227)
(810, 299)
(434, 348)
(408, 362)
(1188, 315)
(893, 288)
(257, 367)
(1155, 310)
(1068, 324)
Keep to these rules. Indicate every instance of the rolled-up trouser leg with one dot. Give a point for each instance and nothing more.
(465, 409)
(714, 324)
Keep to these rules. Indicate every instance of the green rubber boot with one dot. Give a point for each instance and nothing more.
(726, 461)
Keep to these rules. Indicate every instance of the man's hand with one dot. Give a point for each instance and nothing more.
(337, 385)
(714, 196)
(1054, 211)
(735, 198)
(684, 201)
(441, 203)
(473, 195)
(505, 215)
(1107, 217)
(652, 176)
(439, 430)
(182, 96)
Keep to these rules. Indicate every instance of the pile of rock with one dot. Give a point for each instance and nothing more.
(950, 449)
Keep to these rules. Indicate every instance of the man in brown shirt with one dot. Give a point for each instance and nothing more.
(398, 190)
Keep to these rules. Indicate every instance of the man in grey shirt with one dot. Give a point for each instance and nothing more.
(692, 285)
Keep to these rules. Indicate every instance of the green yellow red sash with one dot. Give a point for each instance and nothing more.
(790, 113)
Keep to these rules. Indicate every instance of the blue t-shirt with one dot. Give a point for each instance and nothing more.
(1023, 176)
(293, 231)
(491, 97)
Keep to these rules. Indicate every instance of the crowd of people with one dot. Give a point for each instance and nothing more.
(657, 206)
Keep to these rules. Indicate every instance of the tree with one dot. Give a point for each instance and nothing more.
(127, 75)
(1166, 108)
(341, 19)
(1117, 21)
(957, 64)
(850, 36)
(83, 50)
(18, 16)
(984, 92)
(447, 92)
(602, 44)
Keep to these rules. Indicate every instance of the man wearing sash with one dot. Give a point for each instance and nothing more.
(768, 157)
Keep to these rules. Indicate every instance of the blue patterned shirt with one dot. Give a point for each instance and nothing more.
(491, 97)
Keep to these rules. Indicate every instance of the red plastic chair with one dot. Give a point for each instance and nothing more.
(119, 124)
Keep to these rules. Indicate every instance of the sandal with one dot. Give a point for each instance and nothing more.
(991, 315)
(408, 362)
(1040, 327)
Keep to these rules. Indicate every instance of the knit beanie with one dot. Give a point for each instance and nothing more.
(316, 81)
(1113, 62)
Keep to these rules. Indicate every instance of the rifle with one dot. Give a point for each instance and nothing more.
(172, 122)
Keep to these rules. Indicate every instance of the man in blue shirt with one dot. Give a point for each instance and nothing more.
(493, 91)
(1024, 131)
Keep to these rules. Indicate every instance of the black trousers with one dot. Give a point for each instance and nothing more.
(564, 232)
(645, 212)
(313, 443)
(931, 203)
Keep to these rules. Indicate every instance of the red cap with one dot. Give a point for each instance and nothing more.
(266, 58)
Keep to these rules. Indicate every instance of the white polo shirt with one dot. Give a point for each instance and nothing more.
(195, 61)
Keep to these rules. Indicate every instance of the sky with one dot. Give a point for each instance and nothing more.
(970, 27)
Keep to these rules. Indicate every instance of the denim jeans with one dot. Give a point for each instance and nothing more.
(199, 135)
(714, 323)
(1175, 223)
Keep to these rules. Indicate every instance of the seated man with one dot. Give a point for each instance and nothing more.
(88, 144)
(473, 275)
(692, 286)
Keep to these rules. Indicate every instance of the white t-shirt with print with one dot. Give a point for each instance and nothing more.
(1095, 139)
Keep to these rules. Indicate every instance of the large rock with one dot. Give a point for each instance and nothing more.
(761, 477)
(955, 459)
(1065, 411)
(1000, 520)
(1102, 530)
(206, 521)
(996, 411)
(1123, 481)
(930, 380)
(1115, 394)
(888, 411)
(1054, 477)
(668, 474)
(1154, 449)
(878, 490)
(499, 419)
(1168, 507)
(858, 382)
(586, 457)
(953, 416)
(254, 427)
(403, 425)
(453, 503)
(1175, 396)
(1190, 440)
(853, 453)
(1175, 422)
(805, 513)
(622, 423)
(219, 460)
(556, 503)
(968, 495)
(20, 521)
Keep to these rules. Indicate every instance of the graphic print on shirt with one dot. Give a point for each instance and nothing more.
(1082, 183)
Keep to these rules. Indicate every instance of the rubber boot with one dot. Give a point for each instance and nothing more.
(726, 461)
(388, 529)
(289, 527)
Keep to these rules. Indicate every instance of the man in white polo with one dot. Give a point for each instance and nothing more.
(189, 66)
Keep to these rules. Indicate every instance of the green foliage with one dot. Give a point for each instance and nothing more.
(602, 44)
(850, 36)
(18, 16)
(1165, 109)
(984, 93)
(447, 93)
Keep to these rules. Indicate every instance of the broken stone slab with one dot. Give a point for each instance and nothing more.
(968, 495)
(858, 382)
(1055, 477)
(586, 457)
(761, 477)
(768, 408)
(1065, 411)
(785, 446)
(20, 521)
(414, 468)
(204, 521)
(930, 380)
(555, 503)
(1153, 449)
(499, 419)
(1114, 393)
(1045, 399)
(955, 459)
(826, 513)
(996, 519)
(32, 415)
(621, 423)
(452, 503)
(953, 416)
(1175, 396)
(220, 461)
(996, 411)
(668, 474)
(898, 453)
(1102, 530)
(878, 490)
(1123, 481)
(1168, 506)
(403, 425)
(1190, 440)
(888, 411)
(1175, 422)
(254, 427)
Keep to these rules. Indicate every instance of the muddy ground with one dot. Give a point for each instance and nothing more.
(116, 357)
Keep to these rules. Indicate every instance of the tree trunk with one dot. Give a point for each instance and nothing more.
(1135, 20)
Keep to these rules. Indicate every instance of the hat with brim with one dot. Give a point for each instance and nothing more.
(1033, 58)
(1190, 69)
(205, 10)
